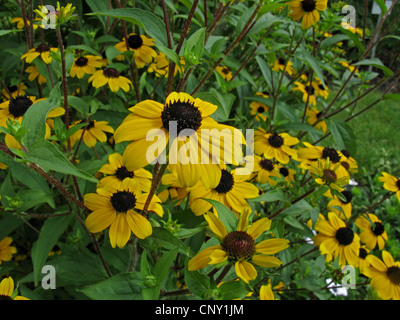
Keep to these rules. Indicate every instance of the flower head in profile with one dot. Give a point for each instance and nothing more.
(373, 231)
(314, 119)
(117, 209)
(14, 91)
(391, 183)
(328, 174)
(308, 91)
(197, 143)
(264, 169)
(341, 206)
(232, 190)
(308, 10)
(6, 250)
(34, 73)
(112, 78)
(335, 239)
(117, 170)
(160, 66)
(91, 133)
(141, 46)
(274, 145)
(7, 290)
(21, 22)
(385, 275)
(240, 247)
(42, 50)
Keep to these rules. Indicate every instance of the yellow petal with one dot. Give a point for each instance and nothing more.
(245, 271)
(215, 225)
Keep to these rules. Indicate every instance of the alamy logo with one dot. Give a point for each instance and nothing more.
(49, 20)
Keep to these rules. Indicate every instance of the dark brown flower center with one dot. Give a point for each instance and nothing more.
(267, 164)
(19, 105)
(345, 153)
(362, 253)
(378, 229)
(398, 183)
(332, 154)
(225, 70)
(261, 109)
(329, 176)
(122, 201)
(345, 236)
(4, 297)
(122, 172)
(308, 5)
(284, 172)
(135, 41)
(282, 61)
(12, 88)
(110, 73)
(42, 48)
(275, 140)
(186, 115)
(394, 274)
(310, 90)
(226, 182)
(239, 245)
(81, 61)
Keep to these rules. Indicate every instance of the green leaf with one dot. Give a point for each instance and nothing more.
(162, 238)
(353, 37)
(163, 265)
(271, 196)
(312, 62)
(152, 24)
(228, 218)
(83, 47)
(343, 135)
(224, 101)
(196, 282)
(52, 229)
(49, 157)
(123, 286)
(194, 47)
(4, 32)
(375, 62)
(233, 290)
(298, 126)
(34, 120)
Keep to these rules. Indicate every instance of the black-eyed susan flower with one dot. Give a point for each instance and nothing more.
(21, 22)
(6, 250)
(328, 174)
(287, 174)
(348, 162)
(239, 247)
(314, 116)
(7, 290)
(34, 73)
(112, 78)
(175, 191)
(373, 231)
(232, 190)
(308, 10)
(258, 109)
(351, 68)
(264, 170)
(160, 65)
(141, 46)
(391, 183)
(15, 108)
(361, 261)
(274, 145)
(282, 64)
(91, 133)
(117, 209)
(320, 89)
(42, 50)
(224, 72)
(308, 92)
(335, 239)
(344, 206)
(117, 170)
(185, 124)
(385, 275)
(85, 65)
(14, 91)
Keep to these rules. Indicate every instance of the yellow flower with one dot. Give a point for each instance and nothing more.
(175, 190)
(264, 169)
(308, 92)
(141, 47)
(34, 73)
(320, 89)
(344, 205)
(85, 65)
(15, 91)
(361, 261)
(42, 50)
(335, 239)
(116, 209)
(348, 66)
(391, 183)
(7, 290)
(194, 135)
(282, 65)
(327, 173)
(274, 145)
(118, 169)
(287, 173)
(160, 66)
(111, 77)
(232, 190)
(308, 10)
(373, 231)
(93, 132)
(239, 247)
(21, 23)
(314, 115)
(6, 251)
(257, 109)
(266, 292)
(224, 72)
(385, 275)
